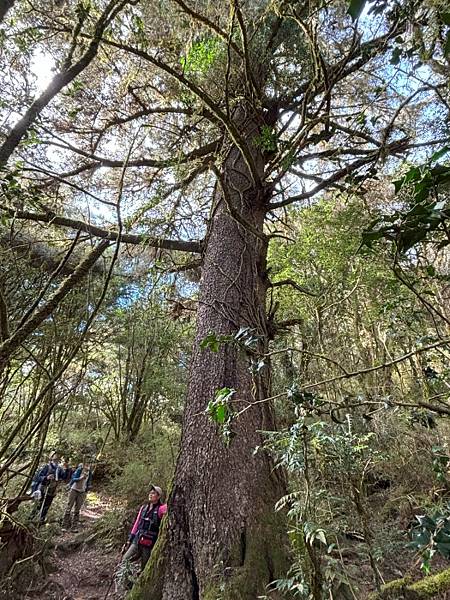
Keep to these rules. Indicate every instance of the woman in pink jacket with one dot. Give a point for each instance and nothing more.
(145, 530)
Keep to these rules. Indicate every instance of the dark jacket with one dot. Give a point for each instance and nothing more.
(40, 480)
(147, 523)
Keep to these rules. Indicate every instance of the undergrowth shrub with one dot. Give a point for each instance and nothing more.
(111, 528)
(150, 459)
(355, 490)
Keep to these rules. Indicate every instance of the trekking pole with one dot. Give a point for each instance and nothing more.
(43, 503)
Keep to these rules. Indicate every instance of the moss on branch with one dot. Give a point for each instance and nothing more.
(404, 589)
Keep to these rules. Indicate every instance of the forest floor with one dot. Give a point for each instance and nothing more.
(81, 567)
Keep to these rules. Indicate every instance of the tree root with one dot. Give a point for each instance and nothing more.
(81, 539)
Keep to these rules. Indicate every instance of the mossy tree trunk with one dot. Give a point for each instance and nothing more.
(223, 538)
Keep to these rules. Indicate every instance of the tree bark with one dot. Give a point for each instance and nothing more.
(223, 535)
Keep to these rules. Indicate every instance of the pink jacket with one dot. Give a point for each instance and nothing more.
(161, 512)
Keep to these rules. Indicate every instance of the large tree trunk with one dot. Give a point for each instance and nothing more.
(222, 538)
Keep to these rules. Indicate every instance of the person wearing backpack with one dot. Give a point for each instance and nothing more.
(79, 485)
(145, 530)
(45, 485)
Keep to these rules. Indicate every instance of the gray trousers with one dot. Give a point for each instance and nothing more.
(138, 551)
(76, 500)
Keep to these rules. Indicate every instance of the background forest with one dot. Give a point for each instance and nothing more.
(224, 269)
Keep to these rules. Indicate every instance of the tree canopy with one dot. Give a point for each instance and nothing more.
(280, 170)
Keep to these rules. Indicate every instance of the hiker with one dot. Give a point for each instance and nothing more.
(144, 532)
(79, 485)
(45, 485)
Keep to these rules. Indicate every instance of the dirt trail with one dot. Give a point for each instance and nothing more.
(81, 570)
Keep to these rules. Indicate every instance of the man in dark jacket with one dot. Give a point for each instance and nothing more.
(45, 485)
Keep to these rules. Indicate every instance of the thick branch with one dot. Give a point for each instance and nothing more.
(351, 374)
(402, 589)
(201, 94)
(386, 365)
(125, 238)
(202, 19)
(4, 329)
(340, 174)
(103, 161)
(361, 54)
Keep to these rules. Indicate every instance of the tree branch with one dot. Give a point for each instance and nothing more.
(202, 19)
(338, 175)
(5, 5)
(126, 238)
(4, 329)
(59, 81)
(38, 254)
(8, 346)
(202, 95)
(386, 365)
(351, 374)
(103, 161)
(293, 284)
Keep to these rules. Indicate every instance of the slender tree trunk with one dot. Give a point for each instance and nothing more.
(223, 536)
(5, 5)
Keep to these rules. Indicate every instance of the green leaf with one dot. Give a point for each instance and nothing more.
(213, 341)
(368, 237)
(445, 18)
(426, 522)
(210, 341)
(200, 56)
(355, 8)
(439, 153)
(320, 535)
(221, 413)
(409, 238)
(444, 548)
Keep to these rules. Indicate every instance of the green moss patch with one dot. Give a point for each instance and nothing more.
(403, 589)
